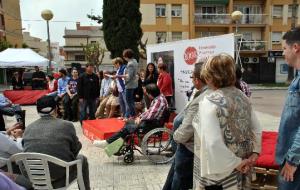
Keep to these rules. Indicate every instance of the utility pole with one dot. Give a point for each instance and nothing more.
(293, 25)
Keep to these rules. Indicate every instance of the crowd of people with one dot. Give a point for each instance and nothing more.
(105, 94)
(217, 136)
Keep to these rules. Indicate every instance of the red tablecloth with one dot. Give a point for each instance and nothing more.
(24, 97)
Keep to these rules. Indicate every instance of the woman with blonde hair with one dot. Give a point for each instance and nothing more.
(227, 132)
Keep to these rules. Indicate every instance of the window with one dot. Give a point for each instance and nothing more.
(290, 13)
(160, 10)
(79, 57)
(248, 9)
(277, 11)
(276, 37)
(176, 11)
(93, 42)
(176, 36)
(247, 36)
(213, 9)
(2, 22)
(161, 37)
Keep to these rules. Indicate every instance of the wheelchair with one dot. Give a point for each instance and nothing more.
(154, 143)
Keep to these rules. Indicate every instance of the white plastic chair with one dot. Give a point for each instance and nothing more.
(8, 163)
(35, 166)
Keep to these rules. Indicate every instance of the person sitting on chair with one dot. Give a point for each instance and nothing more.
(147, 120)
(11, 143)
(55, 137)
(10, 109)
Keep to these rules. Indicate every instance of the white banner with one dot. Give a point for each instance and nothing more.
(181, 56)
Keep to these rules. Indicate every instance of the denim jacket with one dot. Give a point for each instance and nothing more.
(288, 142)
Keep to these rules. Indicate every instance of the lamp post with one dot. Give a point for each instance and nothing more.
(236, 16)
(47, 15)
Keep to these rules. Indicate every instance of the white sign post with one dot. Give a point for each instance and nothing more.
(181, 56)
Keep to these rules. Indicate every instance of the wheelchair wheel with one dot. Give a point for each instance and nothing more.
(128, 158)
(156, 145)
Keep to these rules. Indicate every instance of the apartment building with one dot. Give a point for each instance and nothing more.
(165, 20)
(10, 22)
(36, 44)
(76, 38)
(259, 31)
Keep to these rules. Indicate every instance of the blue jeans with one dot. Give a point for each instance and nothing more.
(176, 123)
(180, 175)
(123, 103)
(130, 112)
(91, 104)
(284, 185)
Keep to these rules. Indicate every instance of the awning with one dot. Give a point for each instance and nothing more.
(216, 2)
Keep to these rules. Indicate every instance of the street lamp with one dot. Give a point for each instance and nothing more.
(47, 15)
(236, 16)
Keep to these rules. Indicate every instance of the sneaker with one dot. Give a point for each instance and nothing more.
(100, 143)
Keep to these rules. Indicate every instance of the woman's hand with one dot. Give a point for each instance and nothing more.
(253, 158)
(244, 166)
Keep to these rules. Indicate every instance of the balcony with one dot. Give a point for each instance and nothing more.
(73, 49)
(254, 46)
(215, 19)
(254, 19)
(223, 19)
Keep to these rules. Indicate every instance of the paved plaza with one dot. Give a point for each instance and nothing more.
(112, 173)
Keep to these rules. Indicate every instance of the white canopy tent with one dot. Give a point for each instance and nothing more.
(17, 58)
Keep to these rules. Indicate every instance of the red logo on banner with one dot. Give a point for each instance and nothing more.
(190, 55)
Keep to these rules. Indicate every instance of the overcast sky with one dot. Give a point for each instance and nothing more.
(68, 11)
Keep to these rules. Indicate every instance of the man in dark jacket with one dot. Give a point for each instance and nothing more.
(55, 137)
(88, 92)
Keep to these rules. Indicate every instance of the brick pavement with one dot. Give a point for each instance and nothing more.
(112, 174)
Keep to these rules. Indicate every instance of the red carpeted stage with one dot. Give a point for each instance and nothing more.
(24, 97)
(101, 128)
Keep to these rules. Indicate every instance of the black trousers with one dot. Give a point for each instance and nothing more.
(2, 123)
(71, 107)
(73, 173)
(130, 127)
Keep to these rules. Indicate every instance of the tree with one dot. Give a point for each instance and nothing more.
(24, 45)
(94, 53)
(121, 26)
(4, 45)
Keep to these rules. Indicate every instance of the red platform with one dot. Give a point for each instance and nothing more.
(101, 128)
(24, 97)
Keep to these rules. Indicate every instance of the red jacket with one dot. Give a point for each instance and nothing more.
(54, 87)
(164, 83)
